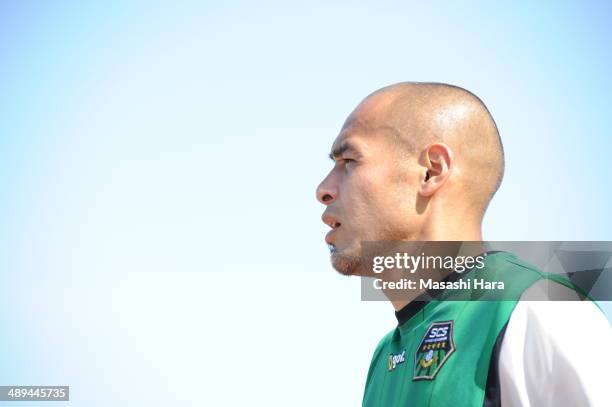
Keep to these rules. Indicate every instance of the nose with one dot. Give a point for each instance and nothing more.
(327, 191)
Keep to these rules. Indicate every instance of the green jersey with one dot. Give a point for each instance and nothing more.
(440, 354)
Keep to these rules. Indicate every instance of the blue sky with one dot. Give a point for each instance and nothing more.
(158, 162)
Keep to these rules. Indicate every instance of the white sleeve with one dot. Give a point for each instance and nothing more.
(556, 353)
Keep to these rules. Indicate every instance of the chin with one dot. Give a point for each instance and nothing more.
(347, 265)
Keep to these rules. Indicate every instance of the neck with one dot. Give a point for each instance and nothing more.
(450, 231)
(447, 232)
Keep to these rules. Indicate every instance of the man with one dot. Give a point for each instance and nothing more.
(421, 162)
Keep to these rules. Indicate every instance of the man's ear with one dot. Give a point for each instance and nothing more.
(438, 161)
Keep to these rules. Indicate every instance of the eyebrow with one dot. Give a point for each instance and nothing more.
(342, 148)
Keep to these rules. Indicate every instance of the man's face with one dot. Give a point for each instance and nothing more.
(370, 193)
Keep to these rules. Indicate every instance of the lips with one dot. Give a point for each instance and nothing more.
(329, 237)
(333, 223)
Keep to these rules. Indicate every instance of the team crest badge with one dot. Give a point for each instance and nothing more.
(435, 349)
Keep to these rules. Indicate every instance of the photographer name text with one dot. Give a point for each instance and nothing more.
(430, 284)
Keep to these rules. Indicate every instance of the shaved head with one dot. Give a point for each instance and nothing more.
(412, 162)
(417, 114)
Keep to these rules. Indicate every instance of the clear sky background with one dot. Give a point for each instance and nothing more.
(160, 241)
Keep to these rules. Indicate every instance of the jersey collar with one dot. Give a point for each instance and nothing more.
(416, 305)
